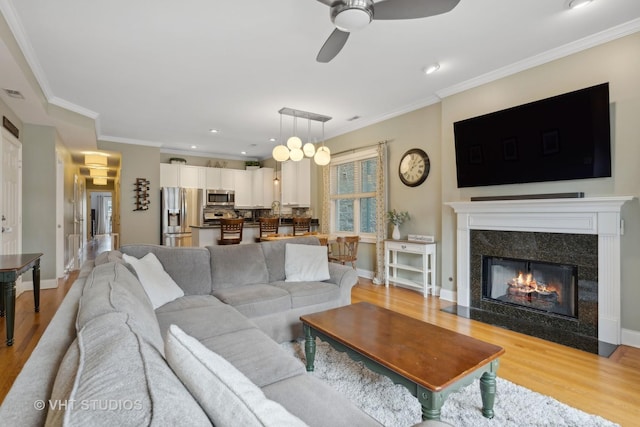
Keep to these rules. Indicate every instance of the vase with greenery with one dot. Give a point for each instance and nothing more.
(396, 218)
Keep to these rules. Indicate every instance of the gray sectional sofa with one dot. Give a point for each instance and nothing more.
(109, 358)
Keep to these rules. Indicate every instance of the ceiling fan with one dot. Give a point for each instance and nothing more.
(353, 15)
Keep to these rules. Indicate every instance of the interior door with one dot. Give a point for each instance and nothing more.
(11, 194)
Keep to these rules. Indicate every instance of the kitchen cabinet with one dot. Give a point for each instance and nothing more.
(254, 188)
(262, 188)
(243, 180)
(176, 175)
(218, 179)
(296, 183)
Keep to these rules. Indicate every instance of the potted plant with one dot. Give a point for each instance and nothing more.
(251, 164)
(396, 218)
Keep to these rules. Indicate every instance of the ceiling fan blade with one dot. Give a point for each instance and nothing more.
(328, 2)
(332, 46)
(411, 9)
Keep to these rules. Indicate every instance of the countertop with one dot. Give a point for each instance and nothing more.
(284, 222)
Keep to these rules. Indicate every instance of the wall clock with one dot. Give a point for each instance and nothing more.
(414, 167)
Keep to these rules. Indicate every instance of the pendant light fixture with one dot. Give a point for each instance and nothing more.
(294, 149)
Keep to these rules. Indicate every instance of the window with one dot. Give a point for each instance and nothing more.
(353, 194)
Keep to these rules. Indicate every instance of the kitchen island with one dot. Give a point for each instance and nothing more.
(208, 235)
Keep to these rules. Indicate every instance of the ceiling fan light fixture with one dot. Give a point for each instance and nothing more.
(352, 15)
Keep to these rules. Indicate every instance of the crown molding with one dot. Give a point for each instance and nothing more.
(585, 43)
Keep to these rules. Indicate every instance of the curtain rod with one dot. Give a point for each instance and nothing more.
(353, 150)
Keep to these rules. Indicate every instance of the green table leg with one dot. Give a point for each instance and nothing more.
(488, 392)
(431, 403)
(309, 348)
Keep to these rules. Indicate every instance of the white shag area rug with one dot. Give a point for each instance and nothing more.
(393, 406)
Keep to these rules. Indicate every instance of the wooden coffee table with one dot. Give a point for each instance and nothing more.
(430, 361)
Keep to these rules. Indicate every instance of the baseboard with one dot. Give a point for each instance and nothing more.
(448, 295)
(631, 338)
(28, 285)
(365, 273)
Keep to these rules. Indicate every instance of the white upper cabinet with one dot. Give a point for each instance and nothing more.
(296, 183)
(227, 179)
(174, 175)
(262, 188)
(244, 188)
(169, 175)
(212, 178)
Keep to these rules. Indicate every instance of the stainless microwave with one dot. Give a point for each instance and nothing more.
(219, 198)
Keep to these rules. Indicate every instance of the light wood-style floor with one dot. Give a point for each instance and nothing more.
(609, 387)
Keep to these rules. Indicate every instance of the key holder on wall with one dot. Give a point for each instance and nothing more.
(142, 194)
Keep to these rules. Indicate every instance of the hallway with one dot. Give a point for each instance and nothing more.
(100, 243)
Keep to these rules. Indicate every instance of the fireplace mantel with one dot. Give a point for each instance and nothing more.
(590, 215)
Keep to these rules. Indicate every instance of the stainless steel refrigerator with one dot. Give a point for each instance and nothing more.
(179, 209)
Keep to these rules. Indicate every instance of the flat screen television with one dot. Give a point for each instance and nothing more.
(559, 138)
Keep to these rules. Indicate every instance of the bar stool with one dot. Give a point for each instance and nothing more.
(267, 226)
(230, 231)
(301, 225)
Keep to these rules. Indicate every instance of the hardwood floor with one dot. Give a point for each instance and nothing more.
(609, 387)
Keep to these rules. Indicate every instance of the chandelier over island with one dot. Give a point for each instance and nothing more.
(294, 149)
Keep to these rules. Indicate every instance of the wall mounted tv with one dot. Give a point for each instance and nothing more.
(559, 138)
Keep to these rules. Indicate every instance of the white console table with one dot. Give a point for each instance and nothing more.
(416, 257)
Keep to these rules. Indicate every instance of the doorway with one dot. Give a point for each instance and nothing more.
(101, 213)
(10, 194)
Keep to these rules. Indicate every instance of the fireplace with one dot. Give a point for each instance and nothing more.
(536, 283)
(543, 286)
(596, 326)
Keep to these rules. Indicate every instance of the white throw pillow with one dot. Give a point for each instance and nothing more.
(227, 396)
(305, 263)
(158, 285)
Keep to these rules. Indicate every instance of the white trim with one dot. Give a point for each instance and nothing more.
(448, 295)
(44, 284)
(585, 43)
(590, 215)
(631, 338)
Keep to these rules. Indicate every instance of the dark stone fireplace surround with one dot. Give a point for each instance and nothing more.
(580, 250)
(598, 217)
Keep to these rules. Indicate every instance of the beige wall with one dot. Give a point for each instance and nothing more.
(618, 63)
(431, 129)
(137, 162)
(417, 129)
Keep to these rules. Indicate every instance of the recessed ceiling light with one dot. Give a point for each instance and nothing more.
(432, 68)
(214, 130)
(272, 139)
(194, 147)
(575, 4)
(244, 153)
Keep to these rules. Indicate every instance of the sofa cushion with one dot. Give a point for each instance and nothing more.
(189, 302)
(112, 288)
(108, 256)
(157, 283)
(317, 404)
(204, 321)
(228, 397)
(189, 267)
(255, 300)
(303, 263)
(274, 255)
(113, 370)
(237, 265)
(256, 355)
(309, 293)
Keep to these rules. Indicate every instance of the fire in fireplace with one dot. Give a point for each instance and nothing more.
(543, 286)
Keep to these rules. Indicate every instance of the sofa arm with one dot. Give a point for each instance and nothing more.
(345, 277)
